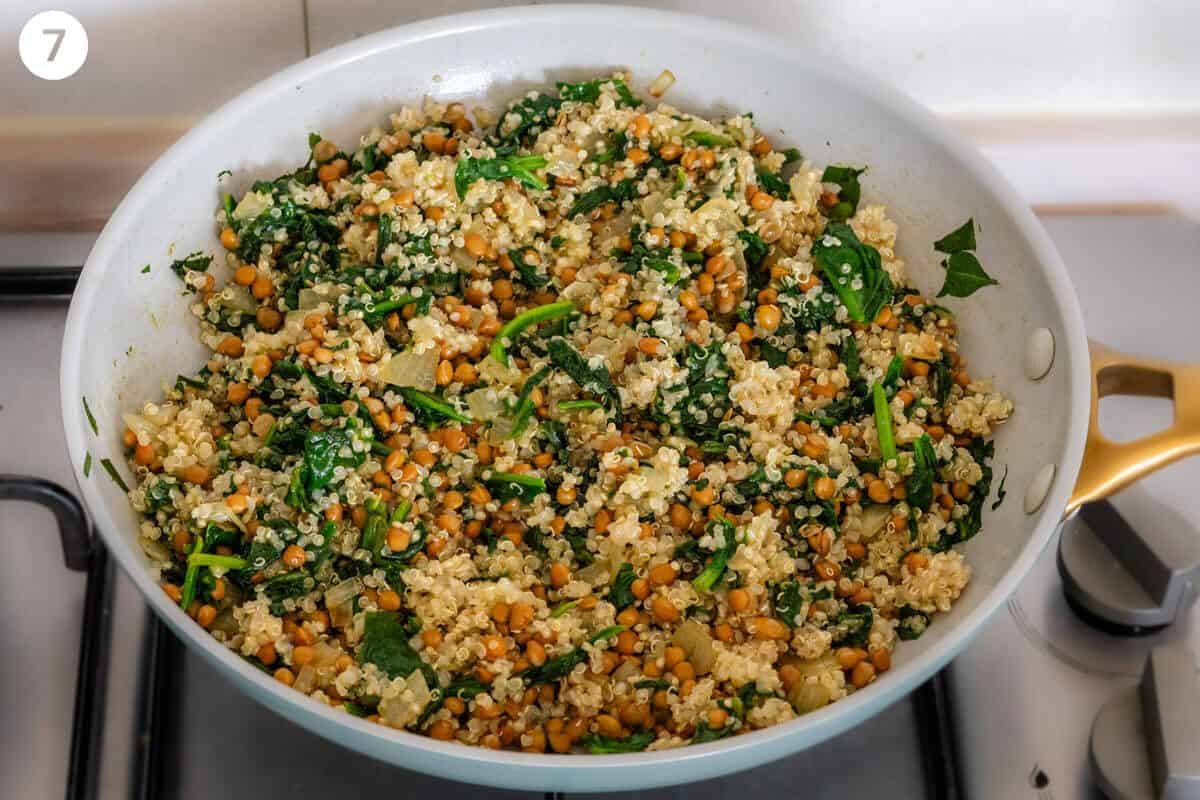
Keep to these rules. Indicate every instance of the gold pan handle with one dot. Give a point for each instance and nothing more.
(1110, 466)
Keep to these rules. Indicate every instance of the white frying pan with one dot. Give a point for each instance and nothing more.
(128, 331)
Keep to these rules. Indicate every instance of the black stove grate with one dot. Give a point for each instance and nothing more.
(82, 552)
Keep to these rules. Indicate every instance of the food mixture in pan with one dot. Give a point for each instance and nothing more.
(588, 426)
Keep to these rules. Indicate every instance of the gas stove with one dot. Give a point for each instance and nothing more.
(101, 701)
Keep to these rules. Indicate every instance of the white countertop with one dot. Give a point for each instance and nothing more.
(1094, 105)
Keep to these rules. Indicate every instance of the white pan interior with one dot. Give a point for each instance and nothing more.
(128, 332)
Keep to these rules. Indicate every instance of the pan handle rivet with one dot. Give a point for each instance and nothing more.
(1039, 353)
(1039, 487)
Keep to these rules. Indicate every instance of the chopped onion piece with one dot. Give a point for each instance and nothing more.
(484, 405)
(806, 697)
(342, 615)
(596, 573)
(140, 425)
(652, 204)
(397, 710)
(818, 666)
(411, 369)
(252, 204)
(306, 681)
(225, 622)
(500, 430)
(311, 298)
(217, 512)
(626, 671)
(695, 641)
(718, 212)
(155, 550)
(484, 117)
(238, 298)
(873, 518)
(462, 259)
(343, 592)
(659, 85)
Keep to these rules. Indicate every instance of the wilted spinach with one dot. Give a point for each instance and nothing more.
(708, 577)
(589, 91)
(617, 193)
(849, 190)
(595, 380)
(920, 482)
(506, 486)
(196, 262)
(619, 593)
(854, 270)
(595, 743)
(855, 623)
(385, 644)
(702, 401)
(515, 167)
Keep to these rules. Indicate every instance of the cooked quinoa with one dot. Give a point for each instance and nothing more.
(588, 426)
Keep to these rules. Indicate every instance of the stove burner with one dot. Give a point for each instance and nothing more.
(82, 554)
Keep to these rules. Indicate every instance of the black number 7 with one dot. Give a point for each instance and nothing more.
(58, 34)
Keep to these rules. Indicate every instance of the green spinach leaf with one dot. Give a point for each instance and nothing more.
(708, 577)
(702, 401)
(518, 168)
(635, 743)
(196, 262)
(385, 644)
(527, 272)
(158, 493)
(577, 538)
(525, 119)
(942, 380)
(707, 734)
(429, 408)
(849, 357)
(619, 593)
(920, 482)
(505, 486)
(964, 276)
(849, 190)
(617, 193)
(595, 380)
(855, 623)
(911, 623)
(589, 91)
(854, 270)
(787, 598)
(773, 184)
(959, 239)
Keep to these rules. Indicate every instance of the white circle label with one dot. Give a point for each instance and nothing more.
(53, 45)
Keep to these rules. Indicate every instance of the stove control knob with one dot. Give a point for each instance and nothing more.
(1145, 742)
(1132, 571)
